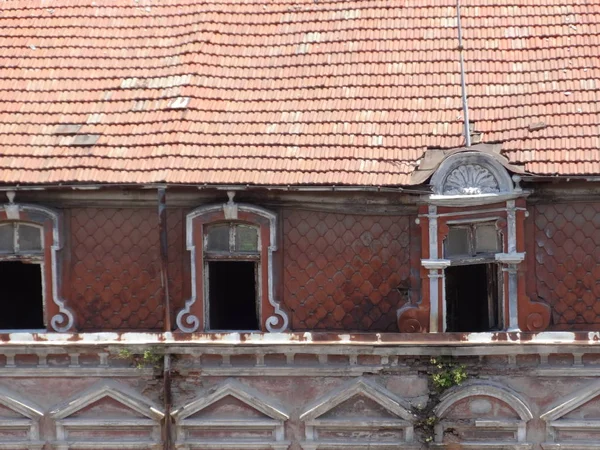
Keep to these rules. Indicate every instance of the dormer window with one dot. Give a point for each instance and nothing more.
(231, 249)
(21, 266)
(472, 247)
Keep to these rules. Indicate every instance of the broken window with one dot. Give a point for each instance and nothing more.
(472, 289)
(232, 262)
(21, 258)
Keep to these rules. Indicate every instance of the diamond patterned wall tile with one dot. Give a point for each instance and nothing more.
(115, 269)
(179, 281)
(567, 262)
(345, 272)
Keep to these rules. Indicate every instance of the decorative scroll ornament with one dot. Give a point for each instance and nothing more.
(470, 179)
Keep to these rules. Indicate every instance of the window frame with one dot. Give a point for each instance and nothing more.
(473, 257)
(56, 315)
(232, 255)
(192, 317)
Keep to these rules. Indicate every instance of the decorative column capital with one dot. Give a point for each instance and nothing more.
(510, 258)
(435, 264)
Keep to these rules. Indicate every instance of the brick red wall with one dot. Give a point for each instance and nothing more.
(114, 268)
(346, 272)
(340, 272)
(564, 257)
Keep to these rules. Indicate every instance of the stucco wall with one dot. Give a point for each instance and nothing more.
(517, 396)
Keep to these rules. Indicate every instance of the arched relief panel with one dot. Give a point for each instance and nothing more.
(482, 415)
(473, 191)
(193, 316)
(58, 317)
(471, 174)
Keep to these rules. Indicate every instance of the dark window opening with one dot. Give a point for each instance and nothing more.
(232, 295)
(472, 298)
(21, 296)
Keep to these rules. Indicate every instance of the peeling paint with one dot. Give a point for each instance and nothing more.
(300, 339)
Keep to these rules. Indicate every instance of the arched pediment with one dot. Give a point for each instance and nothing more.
(231, 406)
(484, 389)
(491, 407)
(91, 418)
(472, 177)
(381, 413)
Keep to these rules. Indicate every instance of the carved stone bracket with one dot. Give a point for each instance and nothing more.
(412, 319)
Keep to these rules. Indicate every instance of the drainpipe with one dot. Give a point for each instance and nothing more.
(463, 84)
(164, 262)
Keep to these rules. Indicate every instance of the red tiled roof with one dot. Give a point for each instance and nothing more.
(290, 91)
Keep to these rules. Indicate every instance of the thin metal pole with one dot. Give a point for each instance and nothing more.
(463, 84)
(164, 275)
(168, 400)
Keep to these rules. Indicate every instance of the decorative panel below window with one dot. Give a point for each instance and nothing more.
(346, 272)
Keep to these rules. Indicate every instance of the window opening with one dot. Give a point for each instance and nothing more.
(472, 298)
(231, 252)
(21, 296)
(473, 291)
(232, 294)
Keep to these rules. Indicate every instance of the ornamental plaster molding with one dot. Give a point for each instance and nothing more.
(313, 417)
(107, 389)
(276, 415)
(555, 421)
(31, 413)
(472, 178)
(123, 395)
(570, 403)
(188, 322)
(62, 321)
(492, 390)
(485, 389)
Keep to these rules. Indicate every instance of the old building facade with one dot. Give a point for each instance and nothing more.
(259, 225)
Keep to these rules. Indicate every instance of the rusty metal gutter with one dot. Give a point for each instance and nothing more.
(224, 187)
(164, 277)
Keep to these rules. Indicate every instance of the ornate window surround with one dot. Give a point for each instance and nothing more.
(60, 317)
(470, 187)
(192, 317)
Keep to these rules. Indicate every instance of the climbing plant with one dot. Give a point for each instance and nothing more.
(443, 374)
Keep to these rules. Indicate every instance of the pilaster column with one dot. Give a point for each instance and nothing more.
(435, 266)
(510, 262)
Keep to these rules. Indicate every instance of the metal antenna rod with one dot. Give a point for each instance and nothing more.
(463, 84)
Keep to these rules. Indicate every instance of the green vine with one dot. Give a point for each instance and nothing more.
(442, 375)
(447, 374)
(151, 357)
